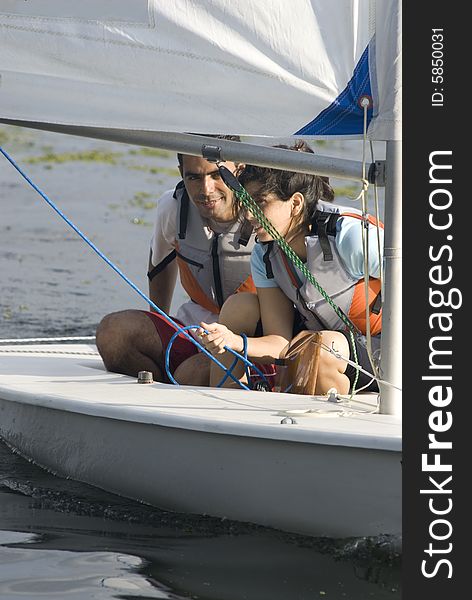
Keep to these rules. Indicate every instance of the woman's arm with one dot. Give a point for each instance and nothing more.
(277, 314)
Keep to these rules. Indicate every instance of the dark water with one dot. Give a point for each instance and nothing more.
(61, 539)
(85, 543)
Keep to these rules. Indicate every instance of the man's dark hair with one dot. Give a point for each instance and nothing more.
(233, 138)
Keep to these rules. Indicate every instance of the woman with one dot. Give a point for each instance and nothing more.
(328, 239)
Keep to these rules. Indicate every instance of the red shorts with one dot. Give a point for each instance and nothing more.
(182, 348)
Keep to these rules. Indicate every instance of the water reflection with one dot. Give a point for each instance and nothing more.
(28, 571)
(85, 543)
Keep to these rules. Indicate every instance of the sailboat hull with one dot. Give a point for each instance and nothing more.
(243, 470)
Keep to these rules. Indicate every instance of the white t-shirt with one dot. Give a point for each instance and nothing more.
(165, 227)
(163, 243)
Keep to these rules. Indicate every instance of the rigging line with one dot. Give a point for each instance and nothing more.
(112, 265)
(377, 214)
(347, 402)
(350, 362)
(43, 351)
(365, 103)
(365, 386)
(365, 236)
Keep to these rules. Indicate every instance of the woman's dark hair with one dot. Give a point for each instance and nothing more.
(285, 183)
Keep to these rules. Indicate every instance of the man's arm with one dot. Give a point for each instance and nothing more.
(162, 266)
(162, 285)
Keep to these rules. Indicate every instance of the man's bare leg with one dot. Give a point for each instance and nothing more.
(128, 343)
(194, 371)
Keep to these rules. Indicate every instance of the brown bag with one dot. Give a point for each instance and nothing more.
(300, 362)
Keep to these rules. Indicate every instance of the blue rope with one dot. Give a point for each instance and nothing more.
(228, 372)
(179, 329)
(235, 361)
(167, 358)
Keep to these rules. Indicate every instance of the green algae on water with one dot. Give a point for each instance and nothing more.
(97, 156)
(173, 172)
(156, 152)
(141, 199)
(349, 191)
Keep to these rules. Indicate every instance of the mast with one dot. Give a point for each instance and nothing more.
(391, 344)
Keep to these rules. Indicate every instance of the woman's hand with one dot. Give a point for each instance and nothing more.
(218, 337)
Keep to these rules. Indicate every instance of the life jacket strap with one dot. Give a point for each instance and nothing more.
(323, 225)
(184, 207)
(377, 304)
(162, 265)
(266, 258)
(216, 270)
(245, 233)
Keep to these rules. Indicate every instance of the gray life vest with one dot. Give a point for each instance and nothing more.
(324, 261)
(211, 269)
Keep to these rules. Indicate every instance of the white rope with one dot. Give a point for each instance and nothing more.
(338, 355)
(49, 339)
(22, 351)
(365, 244)
(377, 214)
(343, 402)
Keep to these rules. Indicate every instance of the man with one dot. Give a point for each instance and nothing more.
(200, 232)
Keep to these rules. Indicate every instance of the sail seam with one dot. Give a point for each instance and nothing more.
(180, 53)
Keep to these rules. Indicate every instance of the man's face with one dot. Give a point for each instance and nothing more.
(206, 188)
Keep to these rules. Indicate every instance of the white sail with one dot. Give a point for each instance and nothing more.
(265, 68)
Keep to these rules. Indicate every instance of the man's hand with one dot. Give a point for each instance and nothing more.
(218, 337)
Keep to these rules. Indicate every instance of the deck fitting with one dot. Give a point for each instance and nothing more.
(288, 421)
(145, 377)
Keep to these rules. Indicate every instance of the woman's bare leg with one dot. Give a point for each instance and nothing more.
(331, 369)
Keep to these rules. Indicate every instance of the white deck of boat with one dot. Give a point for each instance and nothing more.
(72, 378)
